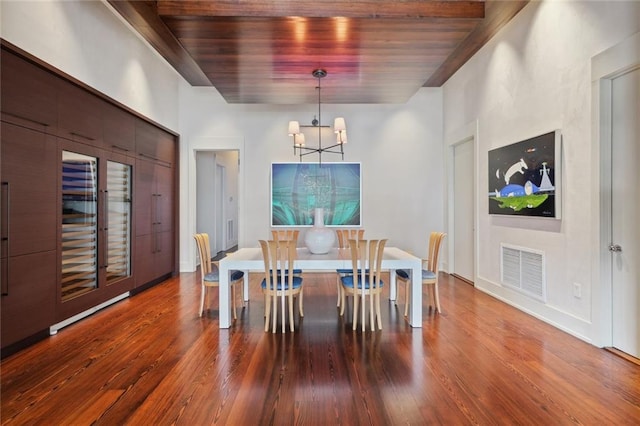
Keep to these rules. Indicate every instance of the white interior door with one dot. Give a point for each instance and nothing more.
(625, 229)
(463, 207)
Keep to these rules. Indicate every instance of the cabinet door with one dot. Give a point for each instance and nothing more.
(29, 202)
(80, 216)
(29, 303)
(79, 115)
(144, 196)
(28, 91)
(117, 230)
(119, 132)
(154, 143)
(144, 260)
(163, 214)
(164, 259)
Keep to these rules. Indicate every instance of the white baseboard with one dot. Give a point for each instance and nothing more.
(55, 327)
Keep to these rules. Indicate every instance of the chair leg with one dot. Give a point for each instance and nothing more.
(343, 298)
(372, 312)
(300, 303)
(233, 301)
(339, 290)
(274, 312)
(355, 310)
(291, 327)
(437, 297)
(378, 311)
(204, 289)
(267, 311)
(407, 297)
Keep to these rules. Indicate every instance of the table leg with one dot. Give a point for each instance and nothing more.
(393, 290)
(415, 314)
(224, 297)
(246, 286)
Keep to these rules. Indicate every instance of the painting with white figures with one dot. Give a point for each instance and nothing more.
(524, 177)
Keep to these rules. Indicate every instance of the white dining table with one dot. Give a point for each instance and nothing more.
(250, 259)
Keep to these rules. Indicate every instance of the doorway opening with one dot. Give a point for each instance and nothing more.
(217, 174)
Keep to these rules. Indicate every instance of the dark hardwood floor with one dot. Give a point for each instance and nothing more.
(151, 360)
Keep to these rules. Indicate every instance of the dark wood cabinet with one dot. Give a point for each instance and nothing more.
(28, 301)
(29, 93)
(87, 199)
(154, 203)
(29, 201)
(79, 115)
(154, 257)
(153, 143)
(29, 243)
(118, 130)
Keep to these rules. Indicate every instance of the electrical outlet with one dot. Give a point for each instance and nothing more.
(577, 290)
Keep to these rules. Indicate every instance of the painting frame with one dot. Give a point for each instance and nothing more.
(297, 189)
(525, 178)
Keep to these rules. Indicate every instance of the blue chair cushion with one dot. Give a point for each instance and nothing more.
(343, 271)
(426, 275)
(297, 283)
(214, 277)
(348, 282)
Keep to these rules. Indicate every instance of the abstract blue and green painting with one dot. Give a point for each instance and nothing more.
(297, 189)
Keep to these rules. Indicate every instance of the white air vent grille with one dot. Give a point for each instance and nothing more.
(230, 236)
(523, 270)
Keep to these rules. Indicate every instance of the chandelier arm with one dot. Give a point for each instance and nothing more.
(303, 150)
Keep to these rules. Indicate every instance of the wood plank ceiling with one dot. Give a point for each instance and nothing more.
(256, 51)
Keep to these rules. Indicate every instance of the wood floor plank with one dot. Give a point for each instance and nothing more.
(151, 359)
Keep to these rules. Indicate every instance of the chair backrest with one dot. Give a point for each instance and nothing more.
(366, 259)
(285, 234)
(435, 239)
(204, 250)
(279, 258)
(344, 235)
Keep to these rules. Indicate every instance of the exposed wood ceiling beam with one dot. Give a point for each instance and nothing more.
(471, 9)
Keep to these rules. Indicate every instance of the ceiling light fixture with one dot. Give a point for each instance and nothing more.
(339, 128)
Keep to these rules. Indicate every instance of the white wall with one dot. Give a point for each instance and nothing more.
(534, 77)
(399, 146)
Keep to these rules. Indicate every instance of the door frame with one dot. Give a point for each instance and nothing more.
(188, 197)
(605, 66)
(467, 133)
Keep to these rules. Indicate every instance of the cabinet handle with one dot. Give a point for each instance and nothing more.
(4, 277)
(105, 243)
(158, 218)
(31, 120)
(151, 157)
(121, 148)
(83, 136)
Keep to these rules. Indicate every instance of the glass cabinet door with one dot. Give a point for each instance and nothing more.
(118, 208)
(79, 224)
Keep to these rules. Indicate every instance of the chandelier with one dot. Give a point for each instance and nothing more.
(339, 128)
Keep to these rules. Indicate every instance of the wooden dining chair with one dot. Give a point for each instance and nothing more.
(287, 235)
(364, 280)
(429, 274)
(280, 282)
(344, 235)
(209, 272)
